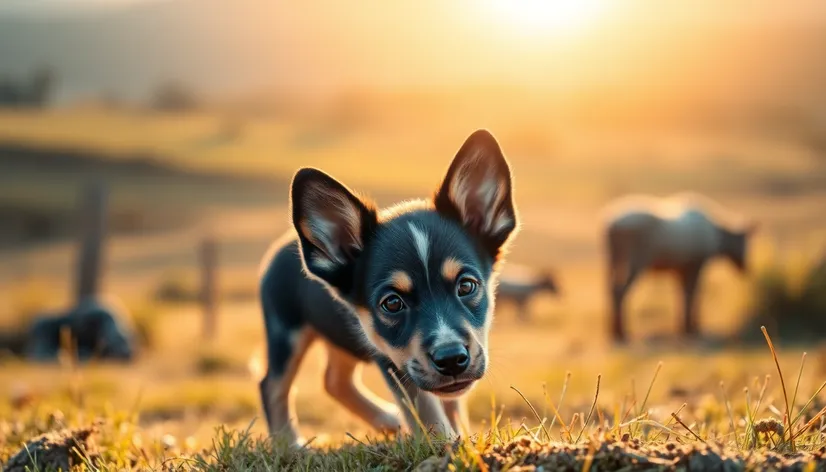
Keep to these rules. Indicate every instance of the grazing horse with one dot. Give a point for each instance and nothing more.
(678, 234)
(519, 290)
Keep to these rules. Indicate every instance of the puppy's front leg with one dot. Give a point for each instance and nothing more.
(427, 406)
(432, 414)
(456, 411)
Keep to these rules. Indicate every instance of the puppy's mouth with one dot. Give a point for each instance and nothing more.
(447, 386)
(453, 388)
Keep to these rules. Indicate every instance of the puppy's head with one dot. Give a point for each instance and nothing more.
(421, 275)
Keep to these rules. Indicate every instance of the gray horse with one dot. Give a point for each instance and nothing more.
(678, 235)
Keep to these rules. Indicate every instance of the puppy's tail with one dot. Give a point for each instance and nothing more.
(257, 363)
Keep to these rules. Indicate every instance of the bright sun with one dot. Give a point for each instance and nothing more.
(547, 16)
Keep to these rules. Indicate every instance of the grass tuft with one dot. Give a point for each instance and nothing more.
(706, 434)
(782, 385)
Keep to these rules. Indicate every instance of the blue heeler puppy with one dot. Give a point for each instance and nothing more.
(410, 288)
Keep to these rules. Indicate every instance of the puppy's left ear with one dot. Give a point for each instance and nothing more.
(478, 192)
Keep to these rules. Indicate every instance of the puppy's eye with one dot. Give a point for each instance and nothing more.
(467, 286)
(392, 304)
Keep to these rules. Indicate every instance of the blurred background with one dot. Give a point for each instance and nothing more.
(194, 114)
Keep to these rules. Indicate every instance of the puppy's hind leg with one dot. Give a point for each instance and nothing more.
(286, 350)
(342, 380)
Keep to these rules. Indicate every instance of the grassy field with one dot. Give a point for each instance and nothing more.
(223, 174)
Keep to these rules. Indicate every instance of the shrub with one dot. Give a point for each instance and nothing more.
(211, 361)
(145, 317)
(790, 300)
(173, 96)
(176, 288)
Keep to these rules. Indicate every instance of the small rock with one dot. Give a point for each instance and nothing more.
(56, 450)
(524, 441)
(432, 464)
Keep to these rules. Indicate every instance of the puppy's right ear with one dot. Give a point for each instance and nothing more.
(333, 226)
(477, 192)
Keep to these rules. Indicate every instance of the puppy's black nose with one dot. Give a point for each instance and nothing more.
(450, 360)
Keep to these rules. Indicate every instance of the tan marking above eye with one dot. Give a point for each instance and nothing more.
(401, 281)
(451, 268)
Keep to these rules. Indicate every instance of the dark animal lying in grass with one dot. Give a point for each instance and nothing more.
(679, 235)
(94, 328)
(410, 288)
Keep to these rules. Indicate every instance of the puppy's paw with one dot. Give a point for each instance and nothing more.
(388, 422)
(444, 431)
(289, 440)
(299, 442)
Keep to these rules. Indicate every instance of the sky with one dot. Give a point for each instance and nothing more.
(702, 10)
(41, 8)
(572, 46)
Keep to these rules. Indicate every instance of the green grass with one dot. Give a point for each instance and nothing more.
(738, 431)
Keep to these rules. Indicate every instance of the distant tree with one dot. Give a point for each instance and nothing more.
(8, 92)
(35, 92)
(40, 87)
(173, 96)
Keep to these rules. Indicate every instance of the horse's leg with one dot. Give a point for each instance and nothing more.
(689, 280)
(616, 278)
(619, 292)
(617, 329)
(624, 265)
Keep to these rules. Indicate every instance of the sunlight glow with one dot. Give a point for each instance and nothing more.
(547, 16)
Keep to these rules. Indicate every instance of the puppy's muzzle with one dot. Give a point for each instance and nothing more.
(450, 360)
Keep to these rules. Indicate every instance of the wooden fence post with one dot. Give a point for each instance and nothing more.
(209, 286)
(92, 234)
